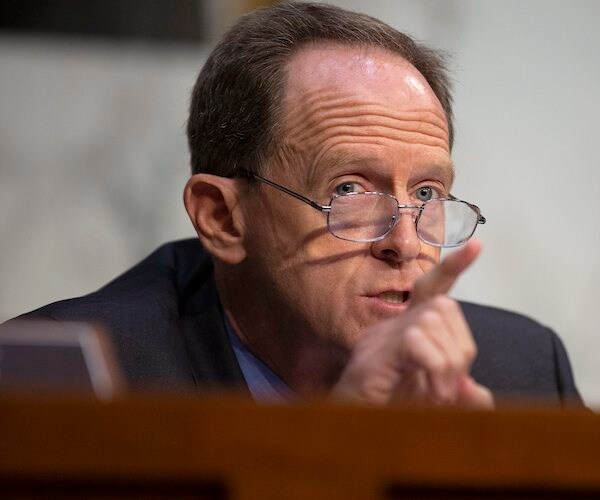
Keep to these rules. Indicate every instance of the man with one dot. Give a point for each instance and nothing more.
(321, 195)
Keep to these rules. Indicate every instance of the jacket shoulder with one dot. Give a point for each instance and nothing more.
(170, 271)
(519, 357)
(140, 309)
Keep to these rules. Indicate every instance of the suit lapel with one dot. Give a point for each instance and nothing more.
(211, 355)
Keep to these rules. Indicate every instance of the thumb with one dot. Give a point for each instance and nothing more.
(441, 278)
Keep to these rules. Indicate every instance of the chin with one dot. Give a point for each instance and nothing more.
(349, 335)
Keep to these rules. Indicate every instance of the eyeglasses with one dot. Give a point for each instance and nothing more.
(371, 216)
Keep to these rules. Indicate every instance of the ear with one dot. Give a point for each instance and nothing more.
(212, 205)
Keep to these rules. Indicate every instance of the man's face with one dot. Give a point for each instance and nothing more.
(355, 119)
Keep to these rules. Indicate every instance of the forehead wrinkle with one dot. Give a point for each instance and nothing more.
(411, 132)
(358, 135)
(362, 109)
(324, 110)
(319, 104)
(317, 109)
(384, 126)
(322, 98)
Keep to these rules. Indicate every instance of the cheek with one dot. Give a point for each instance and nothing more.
(328, 274)
(315, 271)
(324, 268)
(293, 234)
(429, 257)
(291, 245)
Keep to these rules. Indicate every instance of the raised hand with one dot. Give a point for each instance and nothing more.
(422, 356)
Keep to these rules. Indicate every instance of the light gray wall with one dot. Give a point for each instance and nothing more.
(93, 160)
(93, 157)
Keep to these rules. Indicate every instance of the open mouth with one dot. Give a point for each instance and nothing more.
(395, 297)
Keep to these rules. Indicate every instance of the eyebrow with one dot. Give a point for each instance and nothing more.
(337, 159)
(445, 170)
(343, 157)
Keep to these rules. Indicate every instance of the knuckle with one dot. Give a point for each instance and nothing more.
(440, 366)
(456, 365)
(431, 317)
(413, 334)
(470, 351)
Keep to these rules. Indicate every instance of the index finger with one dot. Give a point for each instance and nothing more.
(441, 278)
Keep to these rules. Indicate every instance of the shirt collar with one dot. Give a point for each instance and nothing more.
(265, 386)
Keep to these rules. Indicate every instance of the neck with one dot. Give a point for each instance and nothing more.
(306, 363)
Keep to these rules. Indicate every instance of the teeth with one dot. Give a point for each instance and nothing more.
(394, 297)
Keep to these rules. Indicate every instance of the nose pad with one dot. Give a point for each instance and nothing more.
(413, 212)
(402, 242)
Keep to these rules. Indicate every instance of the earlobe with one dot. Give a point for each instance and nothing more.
(212, 205)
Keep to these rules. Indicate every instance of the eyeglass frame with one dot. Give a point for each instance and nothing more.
(327, 209)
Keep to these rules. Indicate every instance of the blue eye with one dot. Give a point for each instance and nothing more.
(346, 188)
(424, 193)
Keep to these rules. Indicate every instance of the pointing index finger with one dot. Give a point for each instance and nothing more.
(441, 278)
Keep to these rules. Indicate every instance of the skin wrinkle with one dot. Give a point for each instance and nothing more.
(321, 98)
(383, 132)
(289, 153)
(323, 102)
(313, 285)
(326, 114)
(319, 164)
(330, 159)
(358, 115)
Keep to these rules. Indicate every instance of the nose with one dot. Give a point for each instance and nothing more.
(402, 243)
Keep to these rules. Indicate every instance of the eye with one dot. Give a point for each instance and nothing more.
(347, 187)
(425, 193)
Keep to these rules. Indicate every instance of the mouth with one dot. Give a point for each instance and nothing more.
(388, 303)
(394, 297)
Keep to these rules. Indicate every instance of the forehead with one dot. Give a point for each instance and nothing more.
(360, 72)
(342, 99)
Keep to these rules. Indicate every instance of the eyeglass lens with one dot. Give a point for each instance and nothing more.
(361, 216)
(366, 217)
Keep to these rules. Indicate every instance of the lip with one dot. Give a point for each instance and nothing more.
(385, 307)
(396, 291)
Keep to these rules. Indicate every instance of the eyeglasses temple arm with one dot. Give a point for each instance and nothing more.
(314, 204)
(480, 218)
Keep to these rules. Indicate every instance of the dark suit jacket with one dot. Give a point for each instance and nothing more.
(167, 324)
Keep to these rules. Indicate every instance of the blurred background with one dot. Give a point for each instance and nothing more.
(93, 155)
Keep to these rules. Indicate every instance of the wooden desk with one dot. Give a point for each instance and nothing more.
(191, 447)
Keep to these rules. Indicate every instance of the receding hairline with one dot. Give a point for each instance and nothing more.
(363, 49)
(235, 108)
(279, 143)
